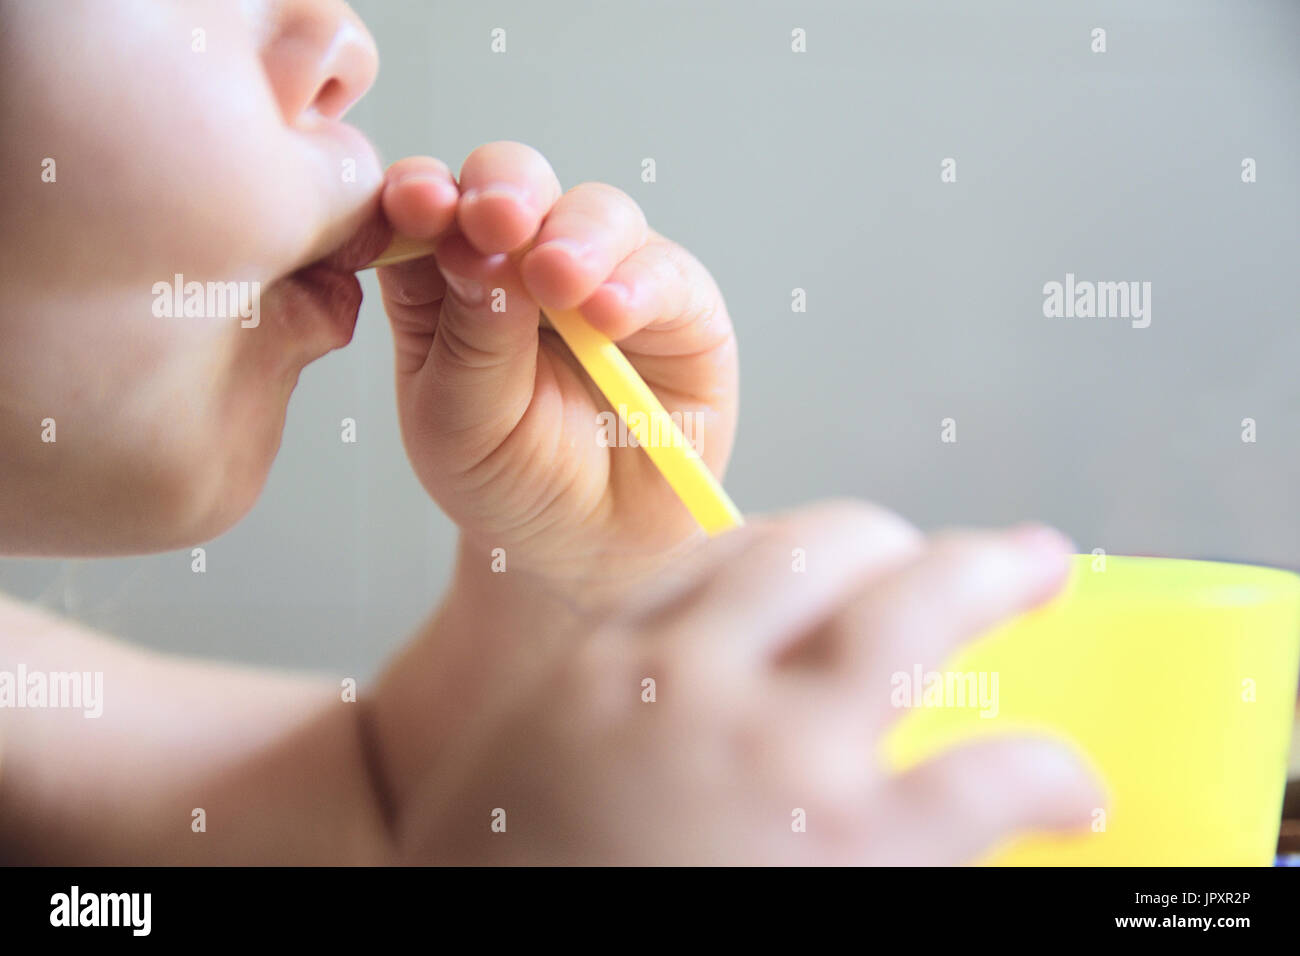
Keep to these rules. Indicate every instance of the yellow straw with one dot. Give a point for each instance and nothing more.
(639, 407)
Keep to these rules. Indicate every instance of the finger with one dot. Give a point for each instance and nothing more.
(663, 289)
(419, 200)
(966, 801)
(412, 293)
(957, 589)
(788, 575)
(506, 190)
(481, 370)
(668, 316)
(590, 230)
(420, 197)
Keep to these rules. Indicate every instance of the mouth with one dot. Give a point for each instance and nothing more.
(321, 300)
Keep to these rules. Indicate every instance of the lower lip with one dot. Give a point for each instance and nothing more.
(325, 298)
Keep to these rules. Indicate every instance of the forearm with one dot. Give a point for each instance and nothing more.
(252, 750)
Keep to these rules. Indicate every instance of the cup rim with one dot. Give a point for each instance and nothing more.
(1153, 580)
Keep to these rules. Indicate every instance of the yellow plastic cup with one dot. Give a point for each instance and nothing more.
(1175, 679)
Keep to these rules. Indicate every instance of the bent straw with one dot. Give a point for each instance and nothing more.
(679, 463)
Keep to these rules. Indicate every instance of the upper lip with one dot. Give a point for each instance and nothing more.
(361, 248)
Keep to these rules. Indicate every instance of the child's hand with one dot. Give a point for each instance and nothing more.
(499, 420)
(771, 692)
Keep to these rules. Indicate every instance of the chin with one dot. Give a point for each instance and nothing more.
(177, 517)
(194, 501)
(216, 517)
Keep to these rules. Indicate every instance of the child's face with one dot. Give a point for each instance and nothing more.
(146, 139)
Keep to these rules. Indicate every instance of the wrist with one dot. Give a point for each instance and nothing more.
(498, 629)
(515, 585)
(493, 596)
(492, 636)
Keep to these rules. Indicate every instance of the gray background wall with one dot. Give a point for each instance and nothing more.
(821, 170)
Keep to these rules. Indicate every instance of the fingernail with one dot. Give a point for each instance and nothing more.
(575, 250)
(1055, 765)
(1052, 762)
(495, 191)
(1041, 538)
(620, 292)
(420, 176)
(468, 292)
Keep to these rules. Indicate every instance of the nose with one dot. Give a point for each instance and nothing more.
(318, 56)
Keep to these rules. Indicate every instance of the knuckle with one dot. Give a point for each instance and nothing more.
(601, 192)
(456, 353)
(855, 519)
(400, 290)
(612, 202)
(674, 680)
(594, 664)
(706, 558)
(820, 772)
(972, 558)
(593, 691)
(675, 264)
(884, 526)
(685, 658)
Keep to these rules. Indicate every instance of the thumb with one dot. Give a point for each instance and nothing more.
(419, 200)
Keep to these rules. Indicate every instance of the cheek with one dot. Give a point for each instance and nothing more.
(252, 193)
(205, 179)
(248, 200)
